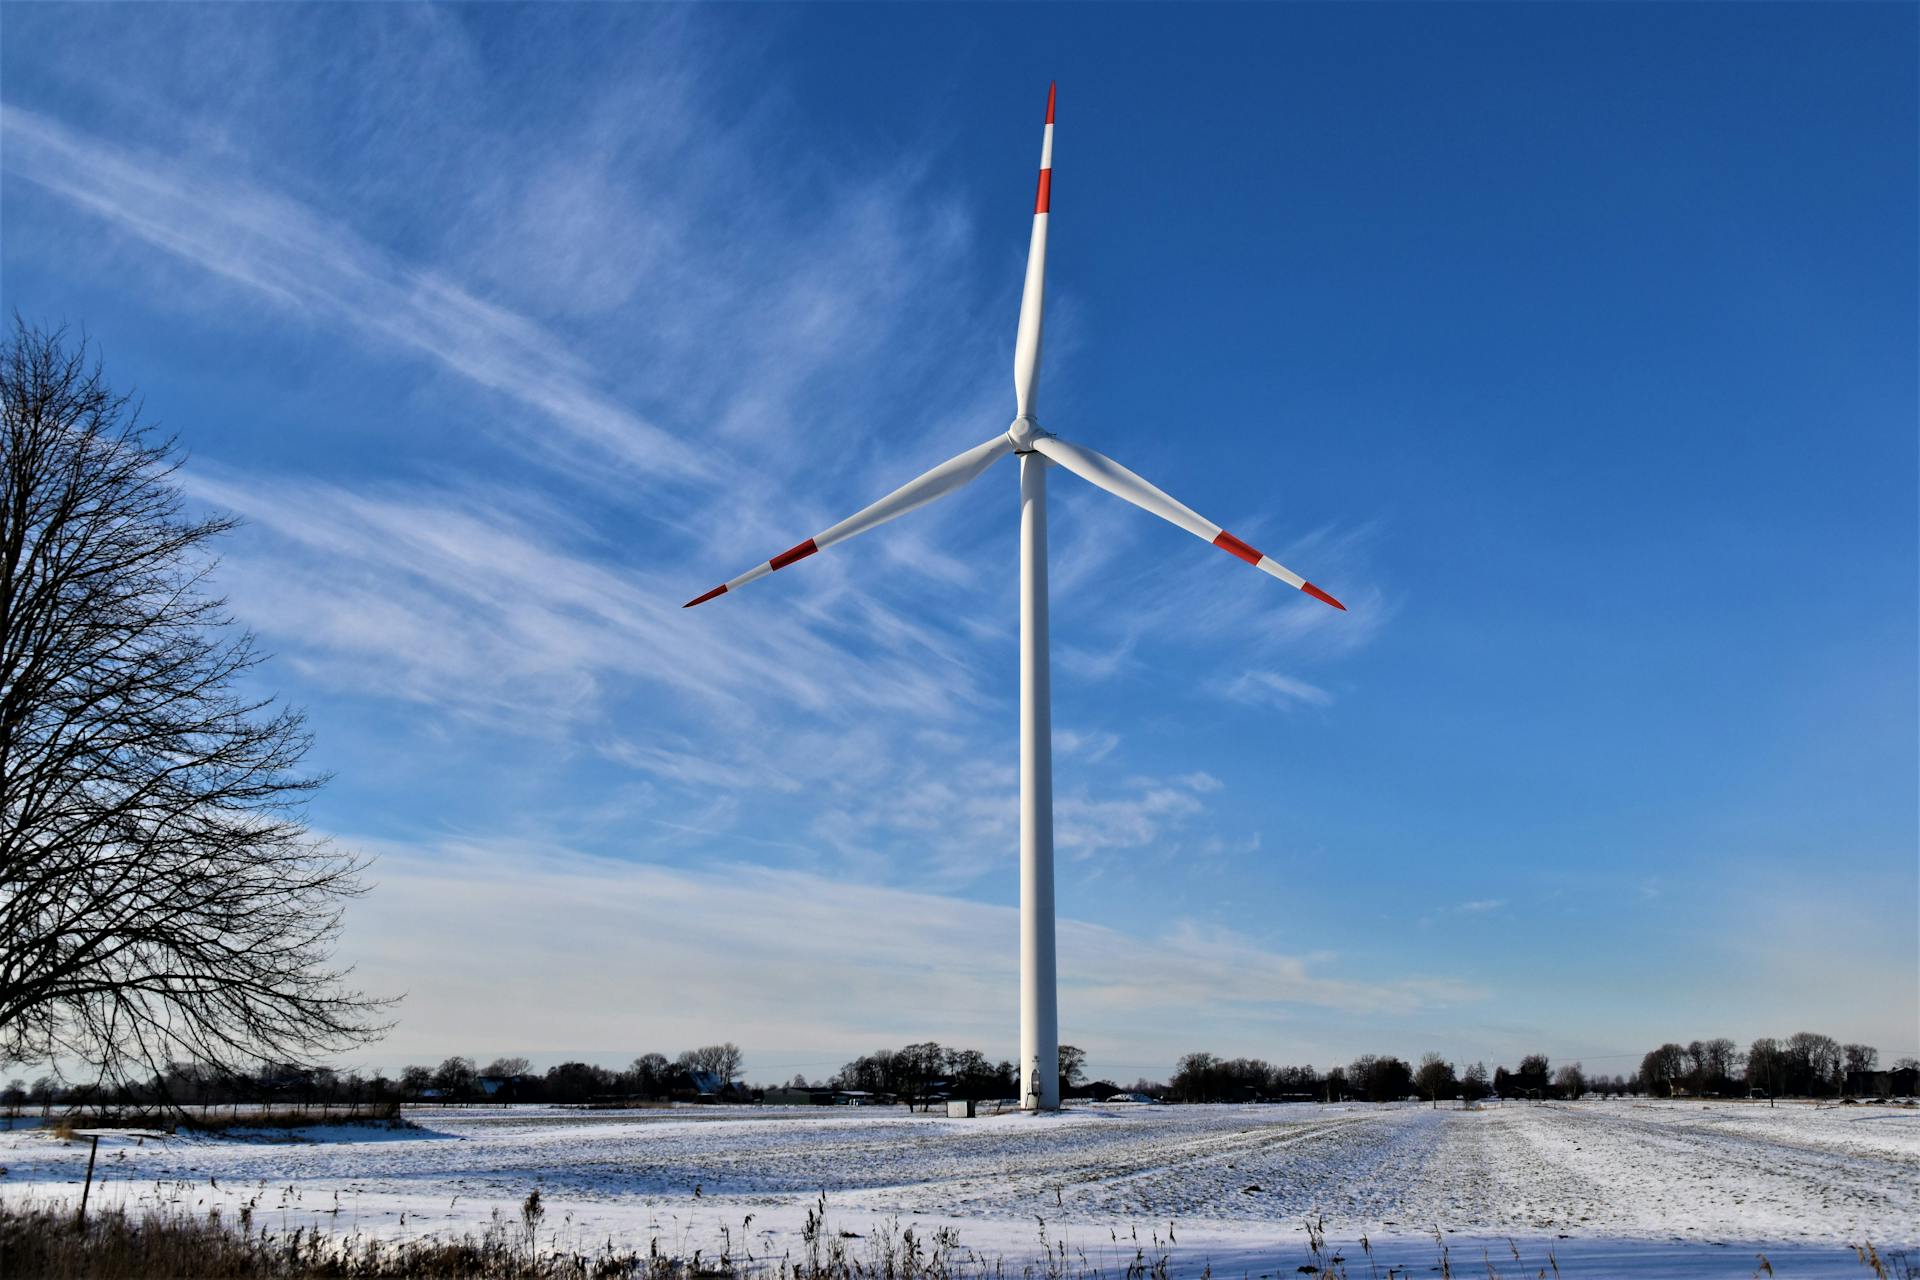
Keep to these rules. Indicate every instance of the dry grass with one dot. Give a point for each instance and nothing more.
(45, 1242)
(48, 1243)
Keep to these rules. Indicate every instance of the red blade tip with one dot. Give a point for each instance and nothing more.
(1051, 86)
(791, 554)
(717, 591)
(1318, 594)
(1234, 547)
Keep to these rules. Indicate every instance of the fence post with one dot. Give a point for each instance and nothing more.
(88, 1188)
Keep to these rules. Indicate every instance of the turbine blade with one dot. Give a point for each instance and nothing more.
(1026, 345)
(952, 474)
(1098, 469)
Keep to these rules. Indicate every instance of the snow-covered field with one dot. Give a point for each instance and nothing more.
(1614, 1188)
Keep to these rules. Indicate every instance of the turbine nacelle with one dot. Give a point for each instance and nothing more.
(1023, 432)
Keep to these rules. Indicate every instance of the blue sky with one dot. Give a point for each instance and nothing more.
(1572, 346)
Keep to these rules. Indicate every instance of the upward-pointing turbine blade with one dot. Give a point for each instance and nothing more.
(1026, 344)
(937, 483)
(1098, 469)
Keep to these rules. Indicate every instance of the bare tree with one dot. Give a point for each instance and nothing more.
(160, 897)
(1815, 1060)
(1766, 1067)
(1571, 1081)
(1073, 1065)
(724, 1061)
(1435, 1077)
(1475, 1081)
(1720, 1059)
(456, 1077)
(1661, 1068)
(1195, 1080)
(648, 1075)
(1696, 1067)
(506, 1068)
(1860, 1058)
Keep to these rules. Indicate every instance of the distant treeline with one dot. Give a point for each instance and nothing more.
(710, 1071)
(918, 1070)
(1805, 1064)
(928, 1069)
(1203, 1077)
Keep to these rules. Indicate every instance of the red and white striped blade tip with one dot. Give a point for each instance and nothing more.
(1307, 587)
(1051, 86)
(717, 591)
(1234, 547)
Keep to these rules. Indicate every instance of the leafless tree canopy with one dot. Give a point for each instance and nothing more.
(1435, 1078)
(723, 1060)
(160, 896)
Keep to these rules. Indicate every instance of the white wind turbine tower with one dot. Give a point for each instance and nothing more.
(1037, 450)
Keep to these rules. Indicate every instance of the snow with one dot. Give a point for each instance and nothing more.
(1612, 1188)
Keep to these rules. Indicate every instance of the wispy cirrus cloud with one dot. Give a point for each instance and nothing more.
(1137, 604)
(327, 273)
(465, 600)
(1091, 747)
(1273, 689)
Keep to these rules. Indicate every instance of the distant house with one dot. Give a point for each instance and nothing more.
(503, 1088)
(853, 1098)
(1904, 1081)
(787, 1096)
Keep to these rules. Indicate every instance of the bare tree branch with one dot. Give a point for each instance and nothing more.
(161, 898)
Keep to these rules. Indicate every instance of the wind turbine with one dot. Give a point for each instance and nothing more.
(1037, 450)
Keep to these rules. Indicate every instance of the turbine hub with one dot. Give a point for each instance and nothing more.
(1023, 433)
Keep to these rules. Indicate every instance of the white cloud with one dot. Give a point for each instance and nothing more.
(1091, 747)
(458, 599)
(325, 272)
(601, 952)
(1272, 689)
(1153, 599)
(1094, 664)
(956, 815)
